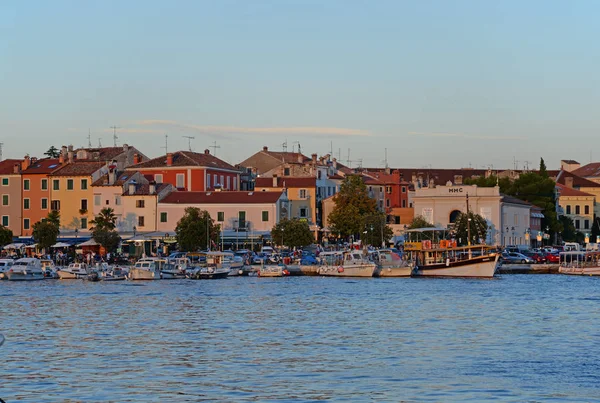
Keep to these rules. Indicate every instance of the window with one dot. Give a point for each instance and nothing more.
(55, 184)
(84, 205)
(70, 184)
(97, 200)
(84, 184)
(586, 210)
(265, 216)
(180, 181)
(319, 175)
(222, 183)
(5, 221)
(302, 194)
(577, 210)
(44, 204)
(388, 189)
(242, 219)
(586, 224)
(220, 216)
(215, 180)
(286, 172)
(370, 188)
(5, 200)
(568, 209)
(25, 204)
(576, 224)
(228, 182)
(55, 205)
(235, 187)
(117, 200)
(303, 212)
(25, 184)
(26, 223)
(403, 189)
(516, 219)
(4, 181)
(207, 182)
(403, 203)
(387, 203)
(84, 223)
(140, 221)
(380, 189)
(44, 184)
(158, 178)
(139, 203)
(107, 202)
(163, 217)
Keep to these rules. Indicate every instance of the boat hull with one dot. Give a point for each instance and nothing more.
(210, 276)
(394, 271)
(480, 267)
(140, 274)
(67, 275)
(580, 271)
(169, 275)
(23, 276)
(353, 271)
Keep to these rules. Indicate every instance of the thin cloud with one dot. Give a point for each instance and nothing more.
(306, 130)
(134, 131)
(465, 136)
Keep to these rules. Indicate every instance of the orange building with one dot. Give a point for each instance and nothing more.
(36, 191)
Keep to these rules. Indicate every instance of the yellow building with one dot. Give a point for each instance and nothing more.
(72, 195)
(301, 192)
(577, 205)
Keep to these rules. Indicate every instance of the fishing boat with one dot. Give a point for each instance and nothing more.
(49, 269)
(431, 255)
(349, 263)
(114, 274)
(215, 267)
(147, 269)
(5, 265)
(176, 268)
(74, 271)
(579, 263)
(25, 269)
(390, 264)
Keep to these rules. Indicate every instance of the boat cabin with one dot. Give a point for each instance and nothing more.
(5, 264)
(151, 264)
(343, 258)
(579, 259)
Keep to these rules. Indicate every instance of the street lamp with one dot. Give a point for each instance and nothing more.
(505, 236)
(76, 232)
(134, 230)
(371, 235)
(547, 232)
(282, 231)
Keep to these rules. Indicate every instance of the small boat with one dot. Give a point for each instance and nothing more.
(5, 265)
(74, 271)
(273, 271)
(25, 269)
(350, 263)
(215, 267)
(114, 274)
(390, 264)
(147, 269)
(176, 268)
(579, 263)
(50, 271)
(93, 276)
(236, 264)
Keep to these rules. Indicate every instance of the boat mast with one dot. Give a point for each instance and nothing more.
(468, 223)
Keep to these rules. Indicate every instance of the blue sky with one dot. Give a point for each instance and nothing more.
(440, 83)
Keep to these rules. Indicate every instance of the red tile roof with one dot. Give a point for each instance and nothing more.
(100, 154)
(589, 170)
(103, 180)
(287, 182)
(43, 166)
(224, 197)
(187, 159)
(567, 191)
(7, 166)
(578, 181)
(78, 169)
(514, 200)
(288, 158)
(144, 190)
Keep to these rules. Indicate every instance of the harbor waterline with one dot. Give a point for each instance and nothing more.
(513, 338)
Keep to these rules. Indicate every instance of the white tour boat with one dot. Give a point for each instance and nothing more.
(25, 269)
(579, 263)
(349, 263)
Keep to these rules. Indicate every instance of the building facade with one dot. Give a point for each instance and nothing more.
(577, 205)
(11, 195)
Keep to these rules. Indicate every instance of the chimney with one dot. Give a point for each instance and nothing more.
(70, 154)
(300, 158)
(274, 181)
(70, 148)
(16, 168)
(136, 158)
(61, 158)
(152, 188)
(169, 159)
(132, 188)
(314, 158)
(335, 163)
(265, 148)
(569, 182)
(112, 176)
(388, 170)
(125, 148)
(25, 163)
(207, 151)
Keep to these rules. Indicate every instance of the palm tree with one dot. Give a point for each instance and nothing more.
(53, 217)
(105, 220)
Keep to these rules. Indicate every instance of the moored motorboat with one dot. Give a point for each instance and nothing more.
(390, 264)
(215, 267)
(147, 269)
(25, 269)
(74, 271)
(350, 263)
(114, 274)
(176, 268)
(5, 265)
(50, 271)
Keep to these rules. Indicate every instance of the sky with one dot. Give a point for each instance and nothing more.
(446, 84)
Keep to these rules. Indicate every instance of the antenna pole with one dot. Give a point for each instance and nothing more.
(386, 163)
(1, 146)
(166, 143)
(89, 138)
(115, 138)
(214, 147)
(99, 142)
(190, 138)
(468, 225)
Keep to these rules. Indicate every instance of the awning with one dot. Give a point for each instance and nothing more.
(60, 245)
(31, 246)
(537, 215)
(89, 242)
(15, 246)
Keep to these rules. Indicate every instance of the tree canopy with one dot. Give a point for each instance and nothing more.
(52, 152)
(420, 222)
(195, 230)
(376, 231)
(106, 219)
(352, 205)
(477, 225)
(292, 233)
(45, 233)
(104, 231)
(54, 218)
(568, 232)
(6, 236)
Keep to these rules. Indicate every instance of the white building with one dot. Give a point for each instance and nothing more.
(508, 218)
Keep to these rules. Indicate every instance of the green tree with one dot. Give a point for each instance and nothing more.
(543, 171)
(567, 230)
(538, 190)
(292, 233)
(504, 183)
(6, 236)
(45, 233)
(52, 152)
(420, 222)
(195, 229)
(595, 229)
(352, 204)
(54, 218)
(475, 223)
(104, 231)
(376, 231)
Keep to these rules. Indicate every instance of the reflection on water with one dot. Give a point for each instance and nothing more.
(517, 338)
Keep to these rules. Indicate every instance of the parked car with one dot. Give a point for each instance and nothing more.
(514, 257)
(552, 258)
(538, 257)
(308, 259)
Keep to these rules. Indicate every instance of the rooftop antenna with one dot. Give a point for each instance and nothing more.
(386, 162)
(190, 138)
(89, 138)
(293, 144)
(526, 165)
(1, 145)
(331, 148)
(99, 142)
(348, 160)
(214, 147)
(299, 150)
(115, 138)
(284, 146)
(166, 146)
